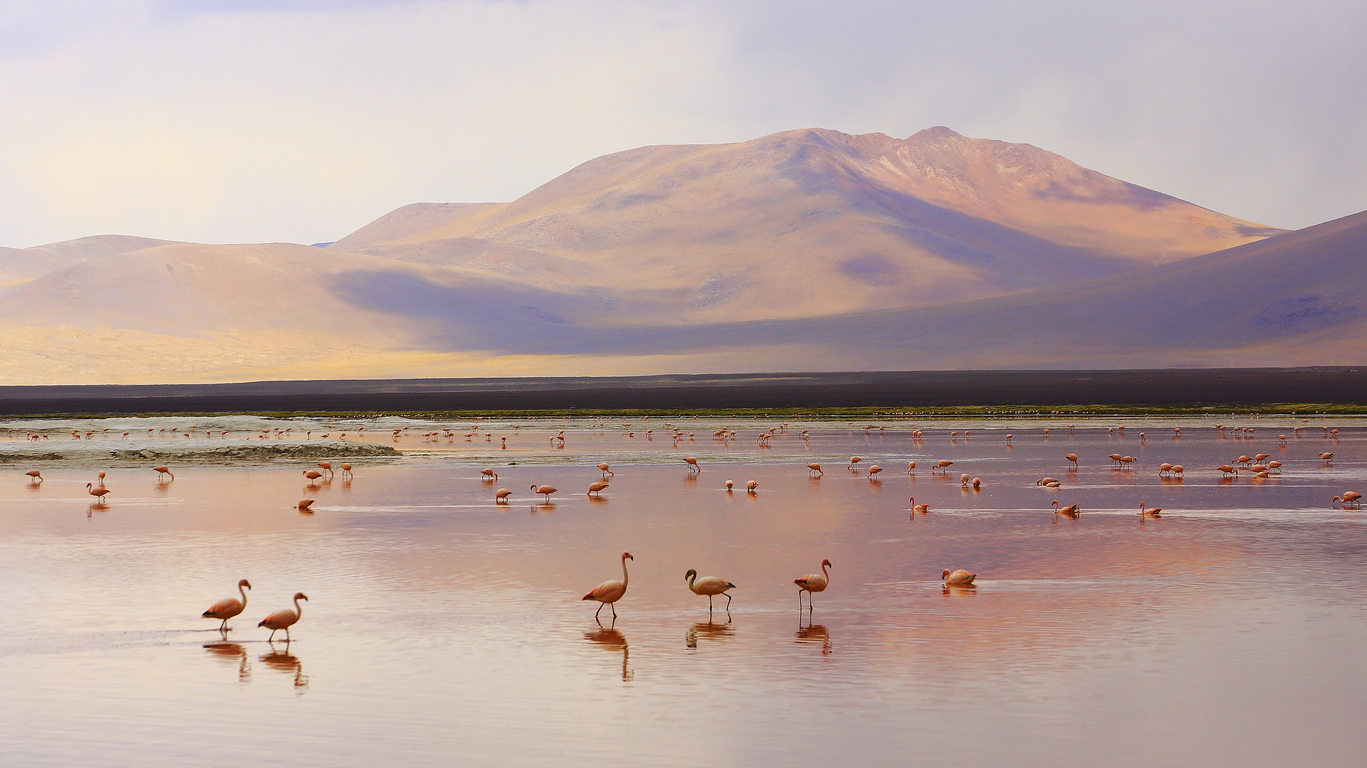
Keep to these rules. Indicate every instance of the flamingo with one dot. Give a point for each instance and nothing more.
(501, 496)
(326, 467)
(911, 467)
(606, 472)
(1350, 499)
(813, 582)
(1071, 511)
(545, 490)
(101, 476)
(34, 476)
(98, 492)
(1327, 457)
(1144, 511)
(284, 619)
(312, 476)
(874, 469)
(488, 474)
(1072, 459)
(922, 508)
(692, 464)
(710, 586)
(977, 483)
(610, 592)
(1228, 470)
(941, 465)
(596, 488)
(751, 486)
(346, 472)
(963, 480)
(958, 578)
(163, 470)
(853, 460)
(229, 607)
(815, 468)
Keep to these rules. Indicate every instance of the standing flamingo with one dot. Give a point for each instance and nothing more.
(98, 492)
(853, 460)
(610, 592)
(545, 490)
(692, 464)
(1072, 459)
(815, 468)
(34, 476)
(326, 467)
(1350, 499)
(813, 582)
(284, 619)
(229, 607)
(346, 472)
(163, 470)
(710, 586)
(501, 496)
(312, 476)
(606, 471)
(488, 474)
(596, 488)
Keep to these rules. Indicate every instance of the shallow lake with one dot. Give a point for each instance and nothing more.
(444, 629)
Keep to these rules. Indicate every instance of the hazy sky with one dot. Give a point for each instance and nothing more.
(248, 120)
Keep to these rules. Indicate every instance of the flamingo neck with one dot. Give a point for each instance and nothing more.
(824, 571)
(241, 590)
(298, 609)
(624, 571)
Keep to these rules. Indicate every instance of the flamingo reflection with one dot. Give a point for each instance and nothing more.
(708, 630)
(812, 634)
(286, 662)
(232, 652)
(610, 639)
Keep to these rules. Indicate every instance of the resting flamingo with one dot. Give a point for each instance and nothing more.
(710, 586)
(304, 505)
(609, 592)
(922, 508)
(958, 578)
(1144, 511)
(813, 582)
(1071, 511)
(229, 607)
(284, 619)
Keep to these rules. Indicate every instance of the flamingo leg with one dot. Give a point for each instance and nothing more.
(600, 610)
(728, 603)
(614, 611)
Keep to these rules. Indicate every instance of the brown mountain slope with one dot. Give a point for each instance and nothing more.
(813, 222)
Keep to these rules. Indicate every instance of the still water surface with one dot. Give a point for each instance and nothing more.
(444, 629)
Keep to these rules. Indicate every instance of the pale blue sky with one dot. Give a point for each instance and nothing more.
(235, 121)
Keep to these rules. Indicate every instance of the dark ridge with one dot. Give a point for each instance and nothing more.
(869, 389)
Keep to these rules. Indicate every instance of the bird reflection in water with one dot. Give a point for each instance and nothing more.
(233, 652)
(98, 506)
(547, 507)
(811, 634)
(708, 630)
(284, 661)
(609, 639)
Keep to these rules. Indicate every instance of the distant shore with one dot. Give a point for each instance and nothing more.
(1338, 390)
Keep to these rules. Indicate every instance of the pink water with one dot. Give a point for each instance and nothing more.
(443, 629)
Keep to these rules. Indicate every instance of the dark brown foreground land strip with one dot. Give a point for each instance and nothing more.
(872, 389)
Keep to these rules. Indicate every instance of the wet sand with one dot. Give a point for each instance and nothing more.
(443, 628)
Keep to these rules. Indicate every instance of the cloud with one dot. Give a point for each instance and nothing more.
(257, 121)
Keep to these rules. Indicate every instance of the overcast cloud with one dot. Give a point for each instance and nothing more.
(247, 120)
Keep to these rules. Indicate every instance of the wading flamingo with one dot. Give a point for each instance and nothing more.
(1072, 459)
(303, 506)
(34, 476)
(229, 607)
(710, 586)
(545, 490)
(815, 468)
(284, 619)
(501, 496)
(959, 578)
(1071, 511)
(606, 472)
(488, 474)
(163, 470)
(751, 486)
(692, 464)
(922, 508)
(312, 476)
(911, 467)
(874, 469)
(610, 592)
(595, 489)
(941, 465)
(1350, 499)
(813, 582)
(853, 460)
(98, 492)
(1144, 511)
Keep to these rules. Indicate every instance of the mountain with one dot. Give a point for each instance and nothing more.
(21, 265)
(811, 222)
